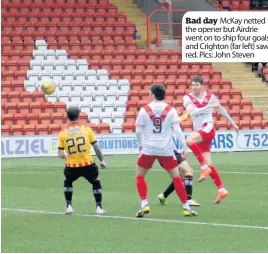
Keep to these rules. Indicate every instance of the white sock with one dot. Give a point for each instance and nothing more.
(221, 189)
(186, 206)
(205, 166)
(144, 203)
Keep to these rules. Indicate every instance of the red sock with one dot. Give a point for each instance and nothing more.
(198, 153)
(215, 176)
(180, 189)
(141, 187)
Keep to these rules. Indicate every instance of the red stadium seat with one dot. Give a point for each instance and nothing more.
(29, 129)
(57, 118)
(5, 130)
(244, 124)
(42, 129)
(256, 124)
(103, 128)
(83, 118)
(128, 127)
(35, 107)
(54, 129)
(265, 124)
(16, 130)
(7, 119)
(20, 118)
(256, 114)
(44, 118)
(32, 118)
(23, 107)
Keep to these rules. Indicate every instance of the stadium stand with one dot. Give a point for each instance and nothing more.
(95, 61)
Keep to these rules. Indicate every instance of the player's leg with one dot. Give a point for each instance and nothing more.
(193, 143)
(216, 178)
(144, 163)
(91, 173)
(186, 173)
(70, 176)
(171, 166)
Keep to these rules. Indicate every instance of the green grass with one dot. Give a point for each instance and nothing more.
(37, 184)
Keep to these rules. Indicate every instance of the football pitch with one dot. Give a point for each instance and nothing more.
(33, 205)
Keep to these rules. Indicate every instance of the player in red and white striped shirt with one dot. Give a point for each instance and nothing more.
(156, 123)
(199, 104)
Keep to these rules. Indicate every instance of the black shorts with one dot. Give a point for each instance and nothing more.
(90, 172)
(178, 157)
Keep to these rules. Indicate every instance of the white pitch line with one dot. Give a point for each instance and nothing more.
(143, 219)
(123, 170)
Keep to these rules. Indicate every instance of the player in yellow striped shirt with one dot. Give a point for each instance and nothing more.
(74, 144)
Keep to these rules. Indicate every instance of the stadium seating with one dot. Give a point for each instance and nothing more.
(94, 60)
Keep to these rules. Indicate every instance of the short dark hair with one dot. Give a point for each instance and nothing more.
(73, 113)
(198, 79)
(159, 91)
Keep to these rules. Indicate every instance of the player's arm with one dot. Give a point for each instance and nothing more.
(223, 112)
(61, 152)
(139, 128)
(177, 130)
(97, 150)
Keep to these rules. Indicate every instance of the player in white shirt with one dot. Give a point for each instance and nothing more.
(199, 104)
(155, 125)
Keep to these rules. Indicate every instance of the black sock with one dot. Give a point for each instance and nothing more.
(97, 192)
(68, 192)
(169, 190)
(188, 183)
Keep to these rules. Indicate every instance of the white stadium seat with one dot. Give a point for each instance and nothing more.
(99, 96)
(68, 76)
(112, 85)
(84, 106)
(87, 97)
(38, 55)
(93, 118)
(78, 86)
(111, 96)
(80, 75)
(36, 65)
(106, 117)
(120, 107)
(52, 97)
(122, 96)
(61, 55)
(70, 65)
(57, 75)
(96, 106)
(30, 85)
(108, 106)
(101, 86)
(41, 45)
(103, 74)
(75, 97)
(32, 75)
(65, 86)
(82, 64)
(89, 86)
(48, 65)
(124, 85)
(50, 54)
(59, 65)
(91, 75)
(64, 97)
(118, 118)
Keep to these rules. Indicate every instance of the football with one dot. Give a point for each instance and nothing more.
(48, 86)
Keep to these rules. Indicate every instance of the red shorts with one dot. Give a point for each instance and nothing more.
(167, 162)
(207, 138)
